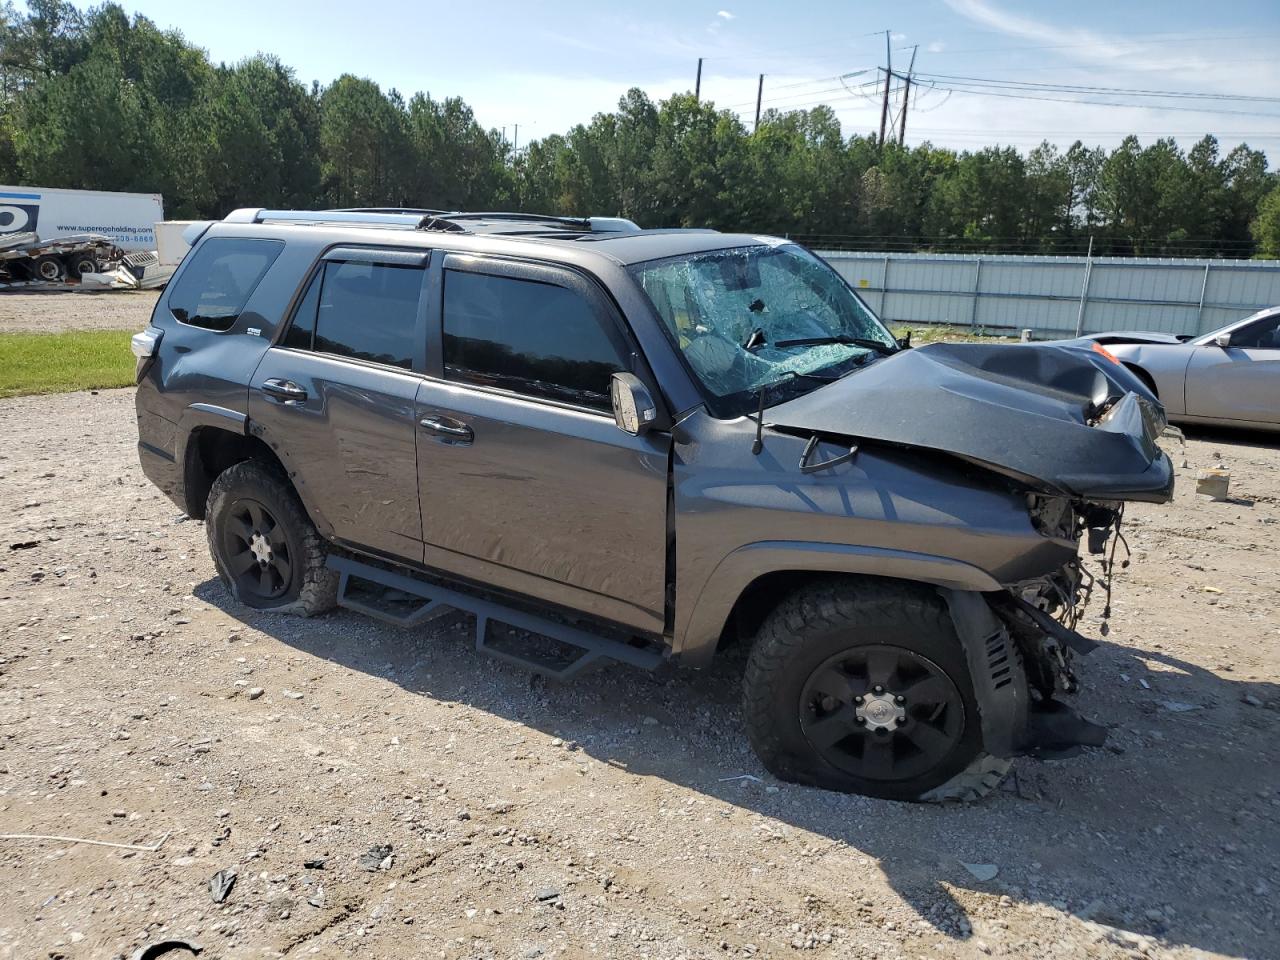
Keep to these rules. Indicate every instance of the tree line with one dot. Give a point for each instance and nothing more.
(102, 101)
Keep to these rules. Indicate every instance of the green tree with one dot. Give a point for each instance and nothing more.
(698, 162)
(1047, 200)
(103, 100)
(260, 129)
(1084, 170)
(47, 42)
(1244, 172)
(981, 199)
(1266, 225)
(455, 163)
(365, 142)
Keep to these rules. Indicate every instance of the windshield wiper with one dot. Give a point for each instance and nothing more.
(758, 444)
(867, 343)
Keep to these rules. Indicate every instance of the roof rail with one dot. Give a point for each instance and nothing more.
(402, 221)
(423, 211)
(449, 221)
(414, 218)
(503, 215)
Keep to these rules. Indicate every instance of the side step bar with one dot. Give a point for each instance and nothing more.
(358, 590)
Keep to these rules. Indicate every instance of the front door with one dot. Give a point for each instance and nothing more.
(526, 483)
(334, 396)
(1240, 381)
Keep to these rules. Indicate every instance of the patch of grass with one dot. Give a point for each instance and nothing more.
(60, 362)
(942, 333)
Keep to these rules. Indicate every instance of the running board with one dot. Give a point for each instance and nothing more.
(365, 589)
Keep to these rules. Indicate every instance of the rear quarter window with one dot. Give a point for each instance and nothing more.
(216, 284)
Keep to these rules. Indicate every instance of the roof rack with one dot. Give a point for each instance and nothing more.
(413, 218)
(422, 211)
(449, 222)
(400, 221)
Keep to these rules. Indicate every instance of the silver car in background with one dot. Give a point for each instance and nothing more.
(1229, 377)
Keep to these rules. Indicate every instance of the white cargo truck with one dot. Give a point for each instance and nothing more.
(128, 220)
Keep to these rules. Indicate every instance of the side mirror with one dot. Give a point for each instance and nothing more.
(634, 409)
(904, 342)
(1223, 339)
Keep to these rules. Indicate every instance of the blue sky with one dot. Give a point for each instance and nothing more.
(546, 66)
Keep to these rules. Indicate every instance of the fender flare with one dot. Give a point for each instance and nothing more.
(194, 417)
(199, 415)
(698, 633)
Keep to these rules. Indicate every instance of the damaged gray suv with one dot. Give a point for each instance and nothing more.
(644, 446)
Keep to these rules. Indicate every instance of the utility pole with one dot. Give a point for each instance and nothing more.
(888, 76)
(906, 98)
(697, 84)
(759, 100)
(516, 147)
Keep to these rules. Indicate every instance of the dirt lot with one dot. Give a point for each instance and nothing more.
(57, 312)
(139, 704)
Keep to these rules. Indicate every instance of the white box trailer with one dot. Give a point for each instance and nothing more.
(127, 219)
(170, 245)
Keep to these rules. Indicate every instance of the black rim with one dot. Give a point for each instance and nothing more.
(881, 712)
(257, 551)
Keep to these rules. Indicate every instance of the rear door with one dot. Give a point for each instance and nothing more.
(334, 397)
(526, 483)
(1240, 381)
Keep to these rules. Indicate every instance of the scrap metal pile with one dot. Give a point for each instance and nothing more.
(87, 261)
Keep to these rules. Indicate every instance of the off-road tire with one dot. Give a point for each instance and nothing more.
(312, 588)
(822, 620)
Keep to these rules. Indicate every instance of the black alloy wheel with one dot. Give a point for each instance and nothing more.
(267, 551)
(881, 712)
(257, 551)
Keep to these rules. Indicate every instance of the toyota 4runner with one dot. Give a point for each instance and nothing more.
(608, 443)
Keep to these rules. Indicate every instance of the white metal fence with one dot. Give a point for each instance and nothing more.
(1059, 296)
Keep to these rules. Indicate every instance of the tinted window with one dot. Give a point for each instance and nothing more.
(217, 282)
(303, 328)
(369, 311)
(533, 338)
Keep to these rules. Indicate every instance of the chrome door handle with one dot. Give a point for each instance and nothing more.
(460, 432)
(285, 390)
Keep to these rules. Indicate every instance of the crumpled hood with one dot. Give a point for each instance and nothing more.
(1021, 409)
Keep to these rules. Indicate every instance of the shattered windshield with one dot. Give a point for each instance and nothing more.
(751, 317)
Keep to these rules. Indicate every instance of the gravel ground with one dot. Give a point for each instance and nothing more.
(58, 312)
(138, 703)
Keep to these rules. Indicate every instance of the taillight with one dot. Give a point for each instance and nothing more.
(144, 346)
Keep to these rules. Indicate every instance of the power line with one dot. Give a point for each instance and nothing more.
(1110, 91)
(1100, 103)
(805, 95)
(841, 77)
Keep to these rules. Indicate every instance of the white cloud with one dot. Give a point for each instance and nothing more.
(937, 46)
(725, 14)
(1075, 42)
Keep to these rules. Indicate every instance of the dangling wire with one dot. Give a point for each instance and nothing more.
(1109, 565)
